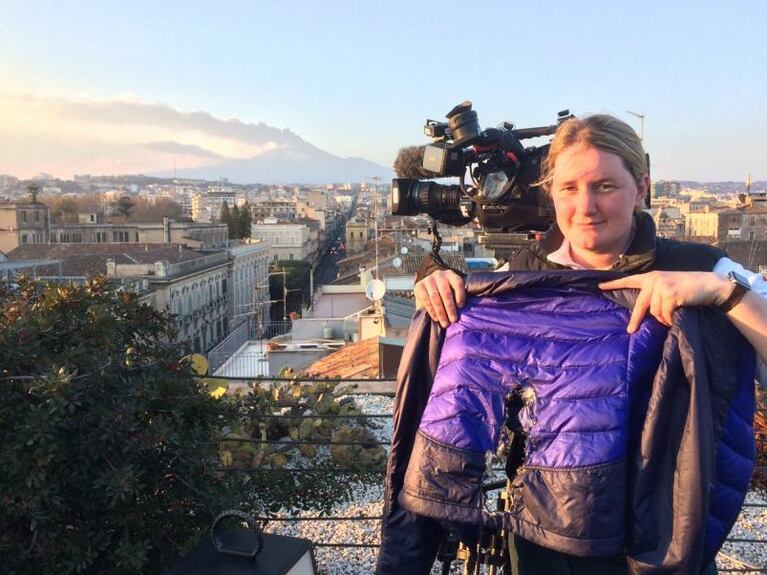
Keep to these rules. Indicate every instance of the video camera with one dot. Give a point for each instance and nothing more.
(502, 194)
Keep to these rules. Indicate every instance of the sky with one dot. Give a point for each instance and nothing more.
(359, 78)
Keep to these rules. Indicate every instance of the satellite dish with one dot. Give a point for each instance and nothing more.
(397, 262)
(375, 290)
(403, 251)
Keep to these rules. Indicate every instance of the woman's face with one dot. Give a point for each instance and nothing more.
(594, 197)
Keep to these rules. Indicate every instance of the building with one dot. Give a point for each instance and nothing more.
(754, 223)
(730, 225)
(702, 223)
(277, 210)
(669, 221)
(358, 232)
(206, 207)
(194, 289)
(190, 284)
(23, 223)
(249, 283)
(92, 229)
(289, 241)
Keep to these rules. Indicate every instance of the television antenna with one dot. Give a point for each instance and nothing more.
(641, 123)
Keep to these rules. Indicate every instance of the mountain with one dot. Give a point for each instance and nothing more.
(291, 161)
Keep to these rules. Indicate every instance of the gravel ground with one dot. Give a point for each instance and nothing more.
(752, 524)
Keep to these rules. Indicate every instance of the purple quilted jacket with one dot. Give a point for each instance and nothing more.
(598, 479)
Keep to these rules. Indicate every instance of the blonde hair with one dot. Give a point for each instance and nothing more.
(601, 131)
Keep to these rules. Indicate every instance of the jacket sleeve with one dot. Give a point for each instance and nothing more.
(693, 464)
(409, 542)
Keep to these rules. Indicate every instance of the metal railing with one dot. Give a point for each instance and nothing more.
(249, 362)
(741, 567)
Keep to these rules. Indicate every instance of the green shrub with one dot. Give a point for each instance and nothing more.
(113, 456)
(108, 458)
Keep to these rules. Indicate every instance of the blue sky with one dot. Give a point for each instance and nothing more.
(359, 78)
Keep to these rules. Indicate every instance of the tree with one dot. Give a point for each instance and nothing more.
(64, 211)
(246, 218)
(148, 211)
(224, 215)
(234, 222)
(108, 464)
(34, 190)
(124, 206)
(114, 458)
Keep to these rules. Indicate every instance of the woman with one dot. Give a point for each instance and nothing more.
(597, 178)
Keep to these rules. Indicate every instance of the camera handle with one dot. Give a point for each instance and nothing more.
(490, 554)
(436, 239)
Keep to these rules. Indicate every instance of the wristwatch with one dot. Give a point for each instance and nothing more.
(741, 287)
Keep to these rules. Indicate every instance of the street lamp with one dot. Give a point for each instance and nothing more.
(641, 123)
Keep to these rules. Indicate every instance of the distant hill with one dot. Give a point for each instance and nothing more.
(723, 187)
(294, 161)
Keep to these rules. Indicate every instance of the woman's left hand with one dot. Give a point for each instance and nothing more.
(662, 292)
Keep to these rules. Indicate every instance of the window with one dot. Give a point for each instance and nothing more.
(23, 238)
(24, 216)
(291, 256)
(37, 216)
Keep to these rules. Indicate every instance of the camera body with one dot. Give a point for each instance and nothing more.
(503, 194)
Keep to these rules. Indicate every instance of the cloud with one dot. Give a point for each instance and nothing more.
(67, 136)
(176, 148)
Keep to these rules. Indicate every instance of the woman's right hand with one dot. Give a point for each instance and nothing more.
(442, 293)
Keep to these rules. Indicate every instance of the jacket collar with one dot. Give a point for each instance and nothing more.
(639, 256)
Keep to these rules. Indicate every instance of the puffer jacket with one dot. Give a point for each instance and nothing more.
(637, 444)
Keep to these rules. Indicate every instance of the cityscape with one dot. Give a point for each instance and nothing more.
(267, 282)
(212, 223)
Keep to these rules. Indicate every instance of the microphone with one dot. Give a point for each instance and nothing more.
(409, 163)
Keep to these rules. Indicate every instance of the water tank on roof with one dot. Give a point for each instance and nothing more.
(350, 329)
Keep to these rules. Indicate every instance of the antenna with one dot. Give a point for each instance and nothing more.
(375, 217)
(641, 123)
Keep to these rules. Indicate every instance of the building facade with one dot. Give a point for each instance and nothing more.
(194, 290)
(207, 207)
(279, 210)
(289, 241)
(23, 223)
(358, 232)
(249, 283)
(192, 234)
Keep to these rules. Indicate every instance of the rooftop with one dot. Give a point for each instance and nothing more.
(82, 260)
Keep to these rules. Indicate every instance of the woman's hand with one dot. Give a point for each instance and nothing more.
(662, 292)
(441, 293)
